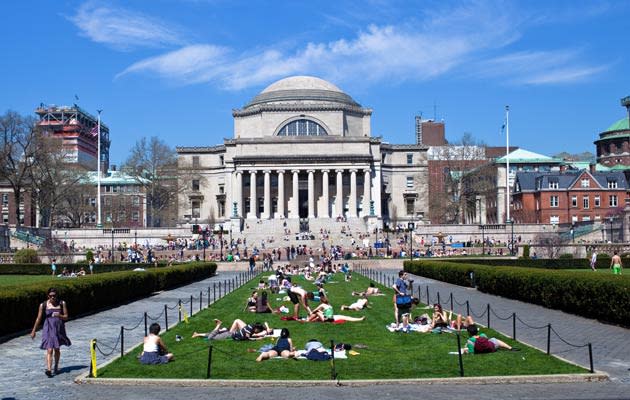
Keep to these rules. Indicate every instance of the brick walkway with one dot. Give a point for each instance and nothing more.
(22, 373)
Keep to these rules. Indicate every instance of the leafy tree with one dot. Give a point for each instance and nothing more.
(154, 165)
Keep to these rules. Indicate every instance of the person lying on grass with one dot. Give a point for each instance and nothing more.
(238, 331)
(283, 348)
(325, 313)
(360, 304)
(372, 290)
(479, 343)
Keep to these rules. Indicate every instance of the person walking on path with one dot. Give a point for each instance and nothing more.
(55, 313)
(594, 260)
(615, 264)
(53, 267)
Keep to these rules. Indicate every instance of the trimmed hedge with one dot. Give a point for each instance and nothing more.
(603, 262)
(600, 296)
(44, 269)
(18, 305)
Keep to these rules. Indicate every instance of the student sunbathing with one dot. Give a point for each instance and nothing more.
(251, 301)
(238, 331)
(360, 304)
(479, 342)
(325, 313)
(370, 291)
(284, 347)
(262, 304)
(460, 322)
(439, 320)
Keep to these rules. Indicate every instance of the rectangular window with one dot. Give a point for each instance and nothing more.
(195, 185)
(221, 189)
(5, 218)
(553, 201)
(221, 160)
(196, 209)
(122, 216)
(135, 201)
(410, 205)
(554, 219)
(135, 216)
(108, 217)
(108, 201)
(597, 201)
(115, 189)
(410, 182)
(410, 158)
(553, 184)
(612, 184)
(585, 183)
(585, 202)
(573, 201)
(586, 218)
(195, 161)
(612, 201)
(5, 199)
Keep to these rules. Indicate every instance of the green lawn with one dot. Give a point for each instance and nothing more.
(18, 280)
(388, 356)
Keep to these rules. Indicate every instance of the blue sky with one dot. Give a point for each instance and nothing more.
(176, 68)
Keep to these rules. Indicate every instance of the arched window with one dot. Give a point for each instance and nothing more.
(302, 127)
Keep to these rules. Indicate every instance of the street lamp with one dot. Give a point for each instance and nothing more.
(511, 222)
(135, 238)
(113, 252)
(221, 240)
(411, 227)
(611, 229)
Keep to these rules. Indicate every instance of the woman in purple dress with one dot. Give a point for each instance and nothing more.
(54, 312)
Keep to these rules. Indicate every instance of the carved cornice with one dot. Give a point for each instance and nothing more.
(301, 107)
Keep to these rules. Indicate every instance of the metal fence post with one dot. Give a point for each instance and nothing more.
(146, 328)
(439, 301)
(166, 316)
(191, 304)
(467, 308)
(488, 311)
(459, 352)
(333, 374)
(200, 300)
(209, 362)
(122, 341)
(590, 357)
(428, 299)
(548, 339)
(451, 300)
(179, 310)
(514, 326)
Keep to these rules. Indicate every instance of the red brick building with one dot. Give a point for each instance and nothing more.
(568, 197)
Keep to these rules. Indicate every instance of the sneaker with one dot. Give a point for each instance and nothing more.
(48, 373)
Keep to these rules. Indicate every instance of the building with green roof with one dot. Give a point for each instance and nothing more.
(613, 145)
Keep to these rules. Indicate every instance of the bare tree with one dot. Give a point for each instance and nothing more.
(459, 179)
(18, 145)
(154, 165)
(550, 243)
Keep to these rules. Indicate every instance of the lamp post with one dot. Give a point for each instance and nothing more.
(221, 240)
(512, 238)
(135, 238)
(113, 252)
(411, 227)
(611, 229)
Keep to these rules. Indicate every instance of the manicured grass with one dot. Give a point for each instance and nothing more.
(18, 280)
(388, 356)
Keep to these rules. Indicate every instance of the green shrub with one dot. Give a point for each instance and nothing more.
(526, 251)
(26, 256)
(597, 296)
(566, 256)
(18, 305)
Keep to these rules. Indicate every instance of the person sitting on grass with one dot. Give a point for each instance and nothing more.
(325, 313)
(251, 302)
(370, 291)
(461, 322)
(439, 320)
(360, 304)
(238, 331)
(262, 304)
(154, 350)
(479, 343)
(284, 348)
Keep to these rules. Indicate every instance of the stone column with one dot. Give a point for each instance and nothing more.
(295, 210)
(281, 193)
(267, 198)
(311, 193)
(352, 201)
(377, 190)
(239, 193)
(253, 201)
(367, 177)
(326, 213)
(339, 198)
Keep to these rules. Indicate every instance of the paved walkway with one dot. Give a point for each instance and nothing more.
(22, 377)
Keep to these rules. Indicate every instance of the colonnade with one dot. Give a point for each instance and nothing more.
(288, 197)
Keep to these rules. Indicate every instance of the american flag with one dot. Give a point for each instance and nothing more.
(94, 131)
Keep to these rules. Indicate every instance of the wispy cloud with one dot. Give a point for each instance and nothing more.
(468, 39)
(123, 29)
(377, 53)
(539, 67)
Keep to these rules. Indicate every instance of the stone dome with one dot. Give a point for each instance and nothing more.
(302, 89)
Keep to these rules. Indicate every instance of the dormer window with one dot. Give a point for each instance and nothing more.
(612, 184)
(553, 184)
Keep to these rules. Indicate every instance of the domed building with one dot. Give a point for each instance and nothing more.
(613, 145)
(302, 158)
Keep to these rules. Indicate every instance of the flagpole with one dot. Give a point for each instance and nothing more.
(99, 223)
(507, 162)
